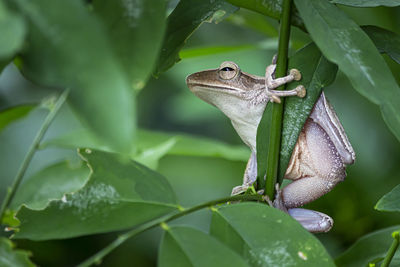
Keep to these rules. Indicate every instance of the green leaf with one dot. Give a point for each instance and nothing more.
(367, 3)
(61, 53)
(50, 183)
(255, 21)
(343, 42)
(386, 41)
(185, 246)
(12, 114)
(212, 50)
(390, 201)
(316, 73)
(137, 29)
(368, 248)
(11, 257)
(12, 31)
(119, 194)
(270, 8)
(265, 236)
(179, 144)
(183, 21)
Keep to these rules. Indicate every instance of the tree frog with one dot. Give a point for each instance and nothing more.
(322, 150)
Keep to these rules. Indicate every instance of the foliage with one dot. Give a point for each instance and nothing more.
(141, 157)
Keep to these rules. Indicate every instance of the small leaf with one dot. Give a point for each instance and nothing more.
(51, 183)
(386, 41)
(12, 30)
(366, 3)
(265, 236)
(343, 42)
(11, 257)
(10, 115)
(270, 8)
(316, 73)
(368, 248)
(61, 54)
(137, 29)
(182, 22)
(390, 201)
(185, 246)
(119, 194)
(183, 144)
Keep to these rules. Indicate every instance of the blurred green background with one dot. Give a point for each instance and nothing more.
(166, 104)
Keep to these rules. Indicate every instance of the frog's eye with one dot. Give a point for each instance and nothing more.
(228, 70)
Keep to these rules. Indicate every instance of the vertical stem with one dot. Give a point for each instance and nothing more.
(277, 109)
(32, 149)
(392, 249)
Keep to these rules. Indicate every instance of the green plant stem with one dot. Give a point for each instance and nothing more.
(96, 258)
(392, 249)
(277, 109)
(32, 149)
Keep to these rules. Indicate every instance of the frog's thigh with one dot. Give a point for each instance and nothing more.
(316, 167)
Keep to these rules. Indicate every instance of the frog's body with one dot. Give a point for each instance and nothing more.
(320, 154)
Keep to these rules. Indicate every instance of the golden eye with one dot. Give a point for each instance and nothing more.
(228, 70)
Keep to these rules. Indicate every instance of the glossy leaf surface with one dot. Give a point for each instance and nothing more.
(343, 42)
(100, 90)
(368, 248)
(265, 236)
(185, 246)
(390, 201)
(11, 257)
(120, 193)
(183, 21)
(137, 29)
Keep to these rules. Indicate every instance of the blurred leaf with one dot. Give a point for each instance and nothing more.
(270, 8)
(119, 194)
(136, 28)
(183, 21)
(390, 201)
(61, 53)
(9, 218)
(14, 113)
(316, 73)
(265, 236)
(368, 248)
(343, 42)
(51, 183)
(12, 32)
(212, 50)
(254, 21)
(386, 41)
(183, 144)
(185, 246)
(151, 156)
(367, 3)
(11, 257)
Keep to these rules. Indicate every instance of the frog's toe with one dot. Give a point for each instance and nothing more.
(296, 74)
(301, 91)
